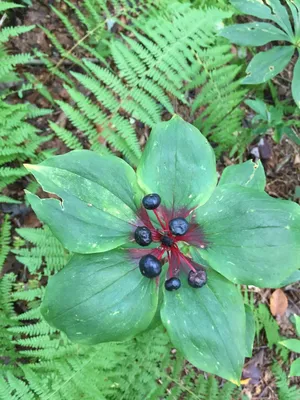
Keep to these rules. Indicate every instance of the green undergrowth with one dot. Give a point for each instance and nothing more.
(38, 362)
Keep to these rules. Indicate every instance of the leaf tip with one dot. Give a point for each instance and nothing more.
(236, 382)
(30, 167)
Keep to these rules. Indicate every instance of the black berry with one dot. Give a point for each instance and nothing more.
(197, 279)
(167, 241)
(172, 284)
(143, 236)
(150, 266)
(151, 201)
(178, 226)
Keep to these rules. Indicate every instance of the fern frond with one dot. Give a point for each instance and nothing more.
(154, 64)
(7, 6)
(45, 250)
(5, 199)
(66, 136)
(13, 31)
(4, 240)
(23, 145)
(285, 392)
(220, 96)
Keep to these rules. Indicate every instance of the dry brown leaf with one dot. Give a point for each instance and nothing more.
(278, 303)
(297, 159)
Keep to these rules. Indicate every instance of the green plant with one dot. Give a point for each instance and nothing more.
(265, 65)
(294, 345)
(219, 97)
(272, 118)
(38, 362)
(7, 61)
(285, 392)
(4, 240)
(97, 20)
(157, 62)
(98, 213)
(23, 144)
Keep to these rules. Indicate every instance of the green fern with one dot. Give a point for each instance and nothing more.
(264, 321)
(7, 61)
(4, 240)
(43, 250)
(220, 96)
(95, 18)
(154, 64)
(9, 355)
(23, 145)
(285, 392)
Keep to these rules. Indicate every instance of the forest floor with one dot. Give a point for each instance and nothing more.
(281, 162)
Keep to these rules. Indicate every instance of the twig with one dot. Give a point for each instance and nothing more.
(3, 18)
(69, 52)
(63, 62)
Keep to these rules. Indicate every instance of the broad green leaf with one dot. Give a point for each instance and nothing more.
(253, 33)
(260, 107)
(292, 344)
(208, 325)
(296, 83)
(265, 65)
(100, 298)
(248, 174)
(290, 133)
(253, 239)
(281, 17)
(295, 10)
(196, 256)
(250, 330)
(295, 277)
(253, 7)
(275, 12)
(178, 163)
(98, 210)
(295, 368)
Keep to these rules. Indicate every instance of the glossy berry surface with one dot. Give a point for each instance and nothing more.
(172, 284)
(197, 279)
(179, 226)
(151, 201)
(150, 266)
(143, 236)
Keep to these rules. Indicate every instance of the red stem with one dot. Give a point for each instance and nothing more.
(159, 219)
(184, 258)
(170, 265)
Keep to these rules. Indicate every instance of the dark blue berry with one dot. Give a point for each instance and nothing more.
(151, 201)
(143, 236)
(197, 279)
(167, 241)
(179, 226)
(150, 266)
(172, 284)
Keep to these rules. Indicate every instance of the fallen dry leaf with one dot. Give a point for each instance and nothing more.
(278, 303)
(252, 371)
(297, 159)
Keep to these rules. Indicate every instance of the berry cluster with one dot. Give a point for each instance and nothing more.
(171, 232)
